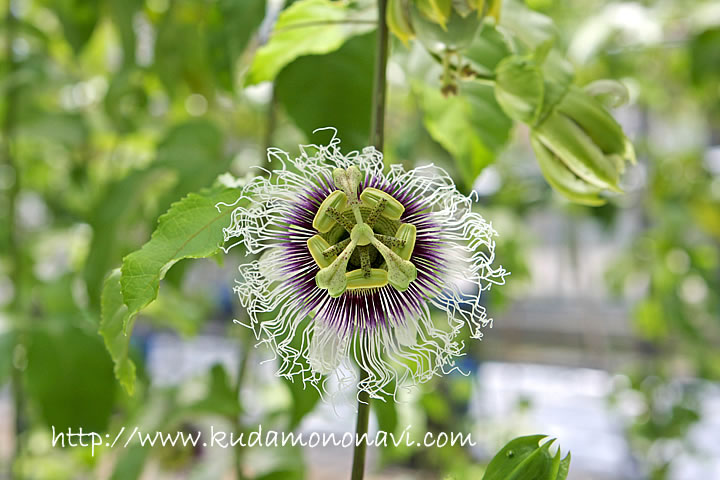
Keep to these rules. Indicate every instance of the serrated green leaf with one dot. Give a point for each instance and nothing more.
(346, 75)
(191, 228)
(306, 27)
(525, 459)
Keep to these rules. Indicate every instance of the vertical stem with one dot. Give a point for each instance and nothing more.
(14, 254)
(361, 428)
(377, 129)
(377, 139)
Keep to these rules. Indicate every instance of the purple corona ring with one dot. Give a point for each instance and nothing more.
(361, 268)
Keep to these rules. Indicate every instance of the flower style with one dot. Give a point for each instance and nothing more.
(352, 259)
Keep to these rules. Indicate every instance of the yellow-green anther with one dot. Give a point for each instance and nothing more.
(406, 235)
(400, 271)
(317, 247)
(349, 181)
(357, 279)
(323, 222)
(372, 196)
(335, 250)
(376, 212)
(340, 219)
(332, 278)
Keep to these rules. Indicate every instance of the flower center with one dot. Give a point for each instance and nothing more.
(361, 243)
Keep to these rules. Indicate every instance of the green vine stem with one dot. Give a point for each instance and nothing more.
(377, 139)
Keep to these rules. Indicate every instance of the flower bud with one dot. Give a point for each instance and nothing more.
(580, 147)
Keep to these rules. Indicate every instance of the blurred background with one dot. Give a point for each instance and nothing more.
(606, 335)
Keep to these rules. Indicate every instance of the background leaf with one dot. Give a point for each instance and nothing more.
(306, 27)
(471, 126)
(69, 378)
(332, 90)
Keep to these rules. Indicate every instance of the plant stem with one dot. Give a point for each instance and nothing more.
(377, 129)
(361, 428)
(377, 139)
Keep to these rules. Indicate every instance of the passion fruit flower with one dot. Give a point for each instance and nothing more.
(352, 258)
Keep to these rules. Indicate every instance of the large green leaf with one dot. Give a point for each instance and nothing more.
(189, 158)
(525, 459)
(307, 27)
(115, 209)
(192, 228)
(69, 378)
(471, 126)
(333, 90)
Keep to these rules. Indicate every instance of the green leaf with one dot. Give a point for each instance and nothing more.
(114, 210)
(471, 126)
(306, 27)
(116, 328)
(487, 49)
(191, 228)
(333, 90)
(525, 459)
(78, 19)
(69, 378)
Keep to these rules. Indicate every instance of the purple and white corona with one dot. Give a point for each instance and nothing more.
(361, 268)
